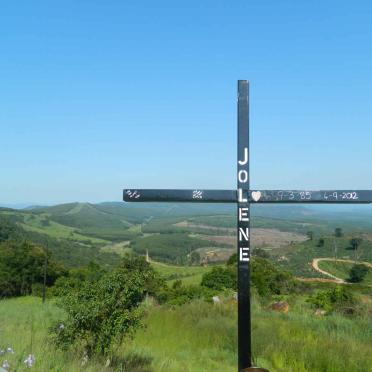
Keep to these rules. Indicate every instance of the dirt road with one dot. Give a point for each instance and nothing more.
(334, 279)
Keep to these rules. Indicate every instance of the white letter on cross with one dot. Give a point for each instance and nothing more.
(243, 256)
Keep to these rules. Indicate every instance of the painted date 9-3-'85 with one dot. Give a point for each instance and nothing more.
(292, 195)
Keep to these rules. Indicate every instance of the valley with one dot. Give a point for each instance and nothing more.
(297, 258)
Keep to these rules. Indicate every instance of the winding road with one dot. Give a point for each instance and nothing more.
(334, 278)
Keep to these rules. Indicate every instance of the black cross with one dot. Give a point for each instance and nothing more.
(243, 196)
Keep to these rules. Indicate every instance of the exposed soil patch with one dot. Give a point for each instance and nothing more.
(271, 238)
(226, 230)
(212, 254)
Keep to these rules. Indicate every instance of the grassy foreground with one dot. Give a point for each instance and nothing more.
(197, 337)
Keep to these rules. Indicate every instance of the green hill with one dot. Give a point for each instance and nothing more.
(89, 219)
(66, 244)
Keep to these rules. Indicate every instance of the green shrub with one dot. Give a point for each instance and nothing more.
(37, 289)
(336, 299)
(75, 278)
(320, 242)
(338, 232)
(101, 313)
(180, 294)
(22, 266)
(270, 280)
(266, 278)
(357, 273)
(220, 278)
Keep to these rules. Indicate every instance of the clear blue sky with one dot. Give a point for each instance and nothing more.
(96, 96)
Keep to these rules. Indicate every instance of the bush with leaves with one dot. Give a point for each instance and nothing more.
(357, 273)
(220, 278)
(266, 277)
(179, 294)
(269, 279)
(338, 232)
(8, 229)
(101, 313)
(320, 243)
(259, 252)
(75, 278)
(22, 266)
(355, 243)
(336, 299)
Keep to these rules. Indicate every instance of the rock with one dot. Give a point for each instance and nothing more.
(84, 359)
(5, 366)
(320, 312)
(283, 258)
(281, 306)
(216, 300)
(29, 361)
(348, 311)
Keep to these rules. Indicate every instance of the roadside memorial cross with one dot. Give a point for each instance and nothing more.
(243, 197)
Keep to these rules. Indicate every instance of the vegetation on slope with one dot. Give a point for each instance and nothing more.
(171, 248)
(343, 270)
(197, 337)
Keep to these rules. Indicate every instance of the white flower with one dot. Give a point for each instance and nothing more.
(10, 350)
(29, 361)
(85, 359)
(2, 352)
(5, 364)
(61, 326)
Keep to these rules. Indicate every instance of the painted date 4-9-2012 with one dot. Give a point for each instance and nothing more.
(335, 195)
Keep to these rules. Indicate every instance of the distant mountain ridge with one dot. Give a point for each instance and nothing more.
(136, 212)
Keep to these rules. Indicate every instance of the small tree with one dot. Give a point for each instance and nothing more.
(336, 299)
(220, 278)
(101, 313)
(335, 249)
(320, 242)
(259, 252)
(267, 278)
(232, 260)
(195, 258)
(355, 243)
(338, 232)
(22, 265)
(310, 235)
(357, 273)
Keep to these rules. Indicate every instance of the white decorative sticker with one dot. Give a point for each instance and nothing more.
(133, 194)
(197, 194)
(256, 195)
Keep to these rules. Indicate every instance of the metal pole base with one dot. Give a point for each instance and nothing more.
(254, 369)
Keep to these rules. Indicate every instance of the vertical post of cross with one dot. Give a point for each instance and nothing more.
(243, 246)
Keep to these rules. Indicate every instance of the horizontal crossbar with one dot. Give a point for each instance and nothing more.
(255, 196)
(190, 196)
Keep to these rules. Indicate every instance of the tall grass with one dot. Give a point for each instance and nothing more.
(24, 324)
(198, 337)
(202, 337)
